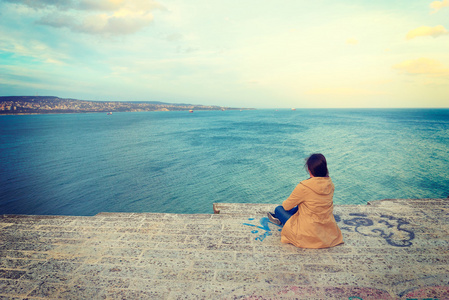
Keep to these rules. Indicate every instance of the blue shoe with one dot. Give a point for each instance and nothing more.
(273, 219)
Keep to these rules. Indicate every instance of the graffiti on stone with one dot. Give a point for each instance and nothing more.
(391, 229)
(263, 230)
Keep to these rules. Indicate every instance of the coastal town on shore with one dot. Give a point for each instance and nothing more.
(46, 105)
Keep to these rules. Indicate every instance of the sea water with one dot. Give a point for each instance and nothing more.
(180, 162)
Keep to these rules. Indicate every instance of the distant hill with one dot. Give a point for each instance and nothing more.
(52, 104)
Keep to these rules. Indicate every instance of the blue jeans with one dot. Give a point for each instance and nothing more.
(283, 215)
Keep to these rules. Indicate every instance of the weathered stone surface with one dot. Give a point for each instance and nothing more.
(394, 249)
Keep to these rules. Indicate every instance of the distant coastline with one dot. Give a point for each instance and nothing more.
(27, 105)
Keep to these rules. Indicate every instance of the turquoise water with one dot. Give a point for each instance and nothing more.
(180, 162)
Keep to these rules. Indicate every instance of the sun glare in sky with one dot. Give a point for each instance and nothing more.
(262, 54)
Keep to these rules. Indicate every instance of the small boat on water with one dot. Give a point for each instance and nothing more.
(293, 108)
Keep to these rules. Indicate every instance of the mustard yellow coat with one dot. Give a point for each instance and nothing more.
(313, 226)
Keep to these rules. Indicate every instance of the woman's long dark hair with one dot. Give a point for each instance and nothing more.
(317, 165)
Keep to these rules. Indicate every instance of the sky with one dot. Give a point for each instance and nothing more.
(259, 54)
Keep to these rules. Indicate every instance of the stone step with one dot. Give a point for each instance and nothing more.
(394, 249)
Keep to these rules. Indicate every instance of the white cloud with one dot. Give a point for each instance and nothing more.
(103, 5)
(426, 31)
(40, 4)
(437, 5)
(110, 17)
(343, 91)
(119, 23)
(89, 5)
(422, 66)
(352, 41)
(33, 49)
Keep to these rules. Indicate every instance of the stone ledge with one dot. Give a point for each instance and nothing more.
(394, 249)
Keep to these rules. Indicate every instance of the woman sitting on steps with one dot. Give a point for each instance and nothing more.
(307, 215)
